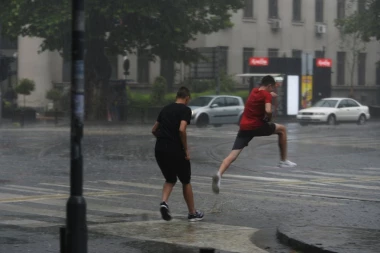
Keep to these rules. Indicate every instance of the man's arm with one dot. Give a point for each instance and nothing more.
(268, 111)
(155, 128)
(183, 136)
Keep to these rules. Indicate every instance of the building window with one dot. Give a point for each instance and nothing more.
(142, 67)
(319, 11)
(248, 9)
(296, 53)
(296, 10)
(167, 71)
(341, 9)
(361, 6)
(273, 9)
(361, 68)
(247, 53)
(273, 52)
(319, 54)
(341, 70)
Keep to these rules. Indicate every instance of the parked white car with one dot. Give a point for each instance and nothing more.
(216, 110)
(334, 110)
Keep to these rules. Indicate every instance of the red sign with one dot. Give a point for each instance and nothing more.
(324, 63)
(258, 61)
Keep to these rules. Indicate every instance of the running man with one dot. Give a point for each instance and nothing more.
(172, 154)
(256, 122)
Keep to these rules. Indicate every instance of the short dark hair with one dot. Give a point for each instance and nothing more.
(183, 92)
(268, 80)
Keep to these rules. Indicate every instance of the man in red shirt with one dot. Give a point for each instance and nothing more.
(254, 123)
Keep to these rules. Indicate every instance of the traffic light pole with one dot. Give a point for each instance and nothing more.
(76, 224)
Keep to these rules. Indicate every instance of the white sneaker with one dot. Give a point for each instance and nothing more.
(216, 183)
(287, 164)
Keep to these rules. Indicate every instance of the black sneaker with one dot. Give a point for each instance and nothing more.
(165, 212)
(195, 217)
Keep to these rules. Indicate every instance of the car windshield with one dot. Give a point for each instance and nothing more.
(200, 101)
(326, 103)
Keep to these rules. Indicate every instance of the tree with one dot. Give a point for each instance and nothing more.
(366, 23)
(162, 27)
(25, 87)
(55, 96)
(158, 91)
(351, 39)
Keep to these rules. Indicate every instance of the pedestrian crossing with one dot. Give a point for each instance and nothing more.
(116, 206)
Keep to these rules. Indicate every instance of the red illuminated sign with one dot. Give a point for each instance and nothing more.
(324, 63)
(258, 61)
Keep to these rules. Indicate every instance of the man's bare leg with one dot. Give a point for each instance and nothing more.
(166, 191)
(282, 140)
(282, 144)
(223, 167)
(189, 197)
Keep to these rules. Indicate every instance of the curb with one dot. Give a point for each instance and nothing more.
(298, 244)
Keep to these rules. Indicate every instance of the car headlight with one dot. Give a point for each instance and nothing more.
(319, 113)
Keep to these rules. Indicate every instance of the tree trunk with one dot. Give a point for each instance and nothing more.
(98, 72)
(97, 69)
(352, 75)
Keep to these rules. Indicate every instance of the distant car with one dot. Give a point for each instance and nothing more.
(216, 110)
(334, 110)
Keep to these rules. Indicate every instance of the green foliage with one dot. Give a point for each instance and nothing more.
(163, 26)
(54, 95)
(365, 23)
(142, 100)
(227, 83)
(158, 91)
(25, 87)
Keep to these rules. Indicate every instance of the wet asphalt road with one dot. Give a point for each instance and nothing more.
(336, 183)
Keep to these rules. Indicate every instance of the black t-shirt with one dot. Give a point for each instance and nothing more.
(170, 118)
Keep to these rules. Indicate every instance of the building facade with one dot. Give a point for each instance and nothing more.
(264, 28)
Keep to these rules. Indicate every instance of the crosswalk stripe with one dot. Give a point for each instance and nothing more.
(28, 223)
(261, 178)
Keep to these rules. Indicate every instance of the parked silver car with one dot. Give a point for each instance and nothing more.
(216, 110)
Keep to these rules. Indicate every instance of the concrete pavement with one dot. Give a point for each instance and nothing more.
(334, 186)
(329, 239)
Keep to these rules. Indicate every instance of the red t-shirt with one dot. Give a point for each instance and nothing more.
(254, 111)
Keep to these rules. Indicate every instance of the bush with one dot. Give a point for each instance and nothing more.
(227, 83)
(158, 91)
(55, 96)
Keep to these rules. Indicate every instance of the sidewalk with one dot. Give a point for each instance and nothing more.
(323, 239)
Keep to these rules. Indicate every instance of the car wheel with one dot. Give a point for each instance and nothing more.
(362, 119)
(331, 120)
(202, 120)
(303, 124)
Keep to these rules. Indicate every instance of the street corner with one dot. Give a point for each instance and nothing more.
(184, 233)
(329, 239)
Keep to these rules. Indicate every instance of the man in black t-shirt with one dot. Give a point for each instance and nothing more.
(172, 154)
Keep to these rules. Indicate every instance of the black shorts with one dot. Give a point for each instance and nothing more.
(173, 165)
(245, 136)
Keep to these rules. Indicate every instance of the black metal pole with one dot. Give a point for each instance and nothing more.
(62, 244)
(76, 225)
